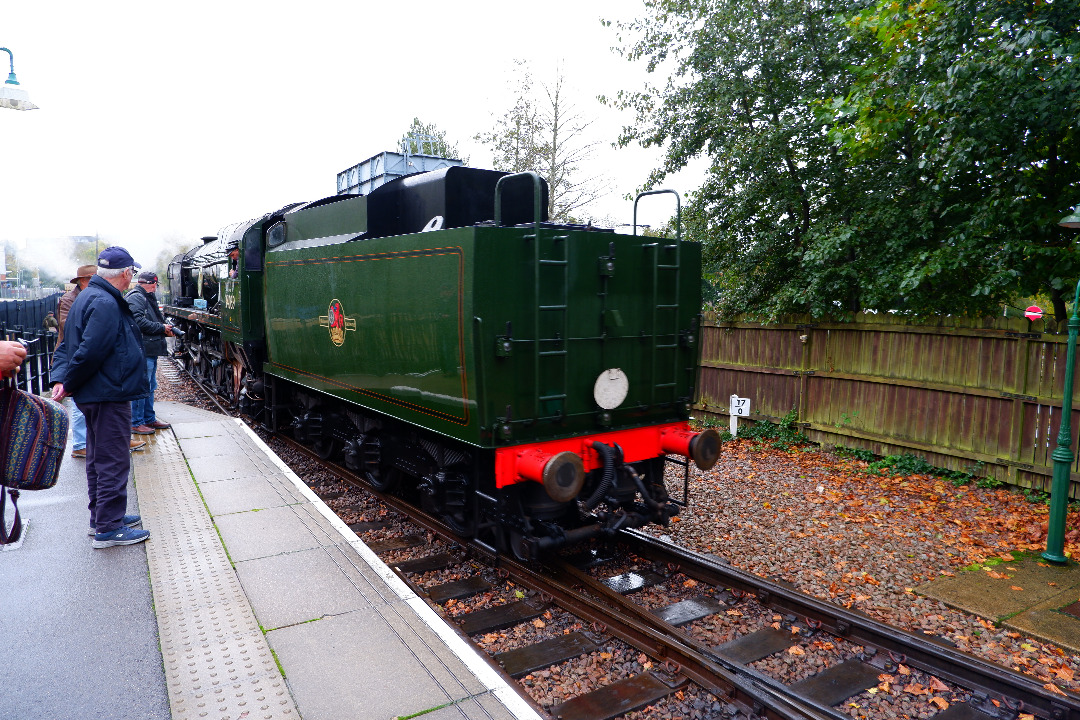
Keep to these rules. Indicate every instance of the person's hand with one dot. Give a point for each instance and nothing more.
(168, 331)
(58, 392)
(12, 355)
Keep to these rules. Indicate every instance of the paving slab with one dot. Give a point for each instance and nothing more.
(232, 495)
(352, 638)
(1025, 595)
(202, 428)
(279, 601)
(212, 468)
(264, 533)
(323, 660)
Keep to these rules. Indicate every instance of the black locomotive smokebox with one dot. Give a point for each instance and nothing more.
(460, 196)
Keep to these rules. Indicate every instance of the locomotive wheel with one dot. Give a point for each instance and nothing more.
(382, 478)
(326, 448)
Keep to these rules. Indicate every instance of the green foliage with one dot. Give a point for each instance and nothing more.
(427, 139)
(846, 419)
(976, 101)
(906, 464)
(857, 453)
(782, 435)
(909, 464)
(1037, 496)
(910, 158)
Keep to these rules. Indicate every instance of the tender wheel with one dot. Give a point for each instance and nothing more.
(515, 545)
(461, 523)
(381, 476)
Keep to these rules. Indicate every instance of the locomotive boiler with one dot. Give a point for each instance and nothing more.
(523, 380)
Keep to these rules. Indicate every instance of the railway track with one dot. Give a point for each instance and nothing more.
(697, 623)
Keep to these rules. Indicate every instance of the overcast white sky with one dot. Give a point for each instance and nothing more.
(162, 121)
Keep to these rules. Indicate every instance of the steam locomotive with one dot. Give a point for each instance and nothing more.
(525, 381)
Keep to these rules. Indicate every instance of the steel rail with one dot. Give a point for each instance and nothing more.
(927, 653)
(757, 693)
(754, 692)
(732, 682)
(206, 391)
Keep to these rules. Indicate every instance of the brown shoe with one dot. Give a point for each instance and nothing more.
(159, 425)
(142, 430)
(136, 444)
(79, 454)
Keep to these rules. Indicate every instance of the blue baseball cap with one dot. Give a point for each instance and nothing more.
(116, 257)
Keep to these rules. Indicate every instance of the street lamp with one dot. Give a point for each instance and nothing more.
(1071, 220)
(1062, 455)
(11, 95)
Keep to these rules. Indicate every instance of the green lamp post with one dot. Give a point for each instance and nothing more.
(1063, 457)
(11, 95)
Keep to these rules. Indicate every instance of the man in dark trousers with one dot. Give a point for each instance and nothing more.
(100, 363)
(144, 307)
(78, 422)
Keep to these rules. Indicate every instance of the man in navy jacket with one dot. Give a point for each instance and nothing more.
(100, 363)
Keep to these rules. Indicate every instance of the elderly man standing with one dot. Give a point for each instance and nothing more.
(143, 304)
(78, 422)
(100, 363)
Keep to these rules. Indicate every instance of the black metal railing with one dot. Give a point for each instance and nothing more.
(33, 376)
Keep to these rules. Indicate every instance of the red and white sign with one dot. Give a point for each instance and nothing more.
(1033, 313)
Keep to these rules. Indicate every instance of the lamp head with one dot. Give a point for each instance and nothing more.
(1072, 220)
(12, 96)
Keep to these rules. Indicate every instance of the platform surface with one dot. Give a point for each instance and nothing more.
(1028, 595)
(250, 599)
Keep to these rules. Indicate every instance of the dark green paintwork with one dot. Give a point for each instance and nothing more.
(427, 318)
(345, 215)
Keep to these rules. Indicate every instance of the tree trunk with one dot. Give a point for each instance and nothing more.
(1057, 297)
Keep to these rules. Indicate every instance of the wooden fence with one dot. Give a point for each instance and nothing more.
(955, 392)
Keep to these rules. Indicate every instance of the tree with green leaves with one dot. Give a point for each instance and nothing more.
(981, 97)
(545, 132)
(739, 88)
(829, 190)
(427, 139)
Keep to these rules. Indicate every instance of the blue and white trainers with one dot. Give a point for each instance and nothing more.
(130, 521)
(121, 536)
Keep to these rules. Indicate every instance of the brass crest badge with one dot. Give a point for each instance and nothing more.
(337, 323)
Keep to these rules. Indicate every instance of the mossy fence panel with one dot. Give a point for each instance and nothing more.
(956, 391)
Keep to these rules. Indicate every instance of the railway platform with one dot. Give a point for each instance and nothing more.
(251, 599)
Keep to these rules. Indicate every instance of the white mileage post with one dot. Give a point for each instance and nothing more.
(739, 407)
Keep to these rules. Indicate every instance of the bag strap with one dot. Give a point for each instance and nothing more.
(17, 526)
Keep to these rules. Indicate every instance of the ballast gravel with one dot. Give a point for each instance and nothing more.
(848, 537)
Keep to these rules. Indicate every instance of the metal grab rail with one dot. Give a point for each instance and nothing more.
(657, 307)
(537, 196)
(678, 210)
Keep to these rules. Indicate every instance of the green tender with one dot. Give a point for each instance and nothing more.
(440, 329)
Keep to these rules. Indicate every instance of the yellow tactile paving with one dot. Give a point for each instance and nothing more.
(217, 661)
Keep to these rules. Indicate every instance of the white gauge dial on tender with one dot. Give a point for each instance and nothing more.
(611, 388)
